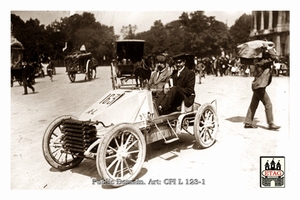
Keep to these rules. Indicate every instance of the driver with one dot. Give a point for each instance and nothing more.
(160, 76)
(181, 90)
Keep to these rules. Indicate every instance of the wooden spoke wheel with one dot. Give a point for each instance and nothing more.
(53, 149)
(89, 73)
(206, 125)
(121, 154)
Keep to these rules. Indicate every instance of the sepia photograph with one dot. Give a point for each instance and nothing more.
(191, 100)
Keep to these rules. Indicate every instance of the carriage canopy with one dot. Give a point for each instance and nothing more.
(16, 52)
(131, 50)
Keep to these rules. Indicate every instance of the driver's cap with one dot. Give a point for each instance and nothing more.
(161, 59)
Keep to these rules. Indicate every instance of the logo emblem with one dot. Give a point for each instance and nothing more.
(272, 171)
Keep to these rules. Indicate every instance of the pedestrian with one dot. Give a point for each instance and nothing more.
(49, 67)
(28, 77)
(262, 78)
(181, 88)
(50, 70)
(200, 70)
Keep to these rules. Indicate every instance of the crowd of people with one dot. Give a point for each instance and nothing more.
(223, 65)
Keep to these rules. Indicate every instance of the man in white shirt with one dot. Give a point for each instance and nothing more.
(182, 90)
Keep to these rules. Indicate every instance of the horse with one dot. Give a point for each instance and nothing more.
(142, 73)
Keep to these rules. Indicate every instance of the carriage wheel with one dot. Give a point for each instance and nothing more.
(89, 73)
(72, 77)
(206, 125)
(53, 150)
(115, 84)
(121, 154)
(114, 77)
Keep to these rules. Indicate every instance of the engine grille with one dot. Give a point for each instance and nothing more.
(78, 135)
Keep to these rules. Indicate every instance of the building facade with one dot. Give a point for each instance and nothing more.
(272, 26)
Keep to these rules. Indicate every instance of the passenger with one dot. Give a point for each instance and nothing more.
(182, 89)
(160, 76)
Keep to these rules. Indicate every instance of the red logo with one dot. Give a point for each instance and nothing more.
(272, 173)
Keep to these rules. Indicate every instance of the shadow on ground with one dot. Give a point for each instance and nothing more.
(240, 119)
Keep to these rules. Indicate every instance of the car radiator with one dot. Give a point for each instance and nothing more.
(78, 135)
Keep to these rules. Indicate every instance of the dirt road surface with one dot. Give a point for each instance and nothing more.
(230, 165)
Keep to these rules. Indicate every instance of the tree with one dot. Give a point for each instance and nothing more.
(203, 36)
(156, 39)
(129, 31)
(83, 29)
(32, 35)
(240, 31)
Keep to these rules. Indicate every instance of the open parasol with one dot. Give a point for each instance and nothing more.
(253, 49)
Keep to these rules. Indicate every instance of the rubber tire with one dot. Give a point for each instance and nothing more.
(198, 117)
(103, 149)
(46, 148)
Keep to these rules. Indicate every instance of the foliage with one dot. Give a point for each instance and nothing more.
(241, 29)
(75, 30)
(192, 32)
(31, 34)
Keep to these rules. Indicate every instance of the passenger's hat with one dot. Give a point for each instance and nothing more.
(179, 58)
(161, 59)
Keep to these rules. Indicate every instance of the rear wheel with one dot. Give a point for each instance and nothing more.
(53, 150)
(206, 125)
(72, 77)
(121, 154)
(89, 73)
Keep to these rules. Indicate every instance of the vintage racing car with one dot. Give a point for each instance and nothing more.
(116, 129)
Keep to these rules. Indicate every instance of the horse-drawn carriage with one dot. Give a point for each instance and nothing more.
(80, 63)
(128, 63)
(117, 128)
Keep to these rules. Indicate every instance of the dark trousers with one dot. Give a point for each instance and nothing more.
(260, 94)
(170, 101)
(27, 83)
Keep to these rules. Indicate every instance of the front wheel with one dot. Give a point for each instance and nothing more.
(53, 149)
(206, 125)
(121, 154)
